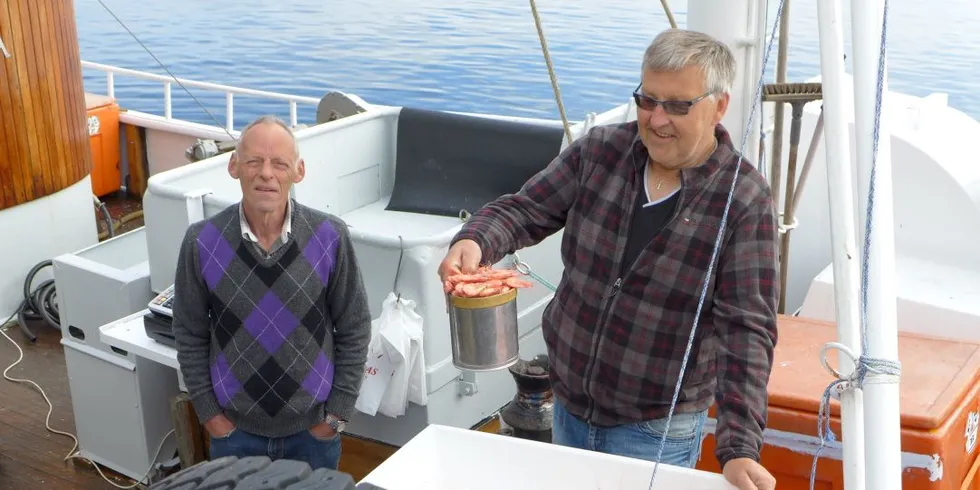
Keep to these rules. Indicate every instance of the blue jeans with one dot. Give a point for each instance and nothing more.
(302, 446)
(640, 440)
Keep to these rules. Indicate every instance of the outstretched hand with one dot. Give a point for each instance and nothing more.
(747, 474)
(463, 257)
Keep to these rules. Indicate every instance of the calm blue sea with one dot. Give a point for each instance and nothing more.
(477, 55)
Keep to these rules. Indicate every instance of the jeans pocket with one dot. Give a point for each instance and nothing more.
(226, 436)
(684, 427)
(317, 438)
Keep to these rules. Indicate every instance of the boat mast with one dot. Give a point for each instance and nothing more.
(842, 234)
(882, 413)
(741, 25)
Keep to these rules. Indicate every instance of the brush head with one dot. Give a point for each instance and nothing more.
(792, 92)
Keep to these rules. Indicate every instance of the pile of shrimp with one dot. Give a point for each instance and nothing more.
(484, 282)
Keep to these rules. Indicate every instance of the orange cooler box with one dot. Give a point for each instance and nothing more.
(940, 403)
(102, 120)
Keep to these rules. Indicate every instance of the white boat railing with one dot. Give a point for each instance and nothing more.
(229, 91)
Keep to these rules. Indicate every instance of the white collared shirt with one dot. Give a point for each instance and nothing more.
(287, 226)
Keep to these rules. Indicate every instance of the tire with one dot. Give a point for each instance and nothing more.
(255, 473)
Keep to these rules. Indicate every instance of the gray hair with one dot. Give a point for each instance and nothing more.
(269, 119)
(675, 49)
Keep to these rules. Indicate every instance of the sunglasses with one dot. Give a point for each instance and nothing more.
(672, 107)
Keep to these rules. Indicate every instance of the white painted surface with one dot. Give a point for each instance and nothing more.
(736, 23)
(933, 299)
(165, 149)
(936, 191)
(882, 413)
(128, 334)
(446, 458)
(842, 233)
(167, 82)
(40, 230)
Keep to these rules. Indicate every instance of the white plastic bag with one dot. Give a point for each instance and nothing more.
(377, 373)
(395, 371)
(401, 331)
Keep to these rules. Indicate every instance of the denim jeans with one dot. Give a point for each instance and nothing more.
(640, 440)
(302, 446)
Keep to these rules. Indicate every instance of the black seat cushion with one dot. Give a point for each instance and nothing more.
(447, 162)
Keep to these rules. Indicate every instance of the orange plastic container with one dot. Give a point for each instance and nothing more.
(102, 117)
(939, 403)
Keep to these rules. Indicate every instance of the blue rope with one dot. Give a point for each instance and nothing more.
(865, 363)
(756, 101)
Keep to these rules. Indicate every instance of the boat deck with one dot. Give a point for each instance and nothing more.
(30, 455)
(126, 211)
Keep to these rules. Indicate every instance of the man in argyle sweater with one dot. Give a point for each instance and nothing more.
(270, 313)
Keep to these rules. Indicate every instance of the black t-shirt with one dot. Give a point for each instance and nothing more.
(648, 219)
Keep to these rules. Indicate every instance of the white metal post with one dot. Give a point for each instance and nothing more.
(881, 409)
(229, 111)
(167, 107)
(842, 233)
(729, 22)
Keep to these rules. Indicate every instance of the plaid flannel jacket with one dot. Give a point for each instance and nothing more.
(615, 343)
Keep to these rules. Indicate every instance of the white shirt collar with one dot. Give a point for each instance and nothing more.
(287, 224)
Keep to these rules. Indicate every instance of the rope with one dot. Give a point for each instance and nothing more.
(73, 453)
(670, 16)
(881, 370)
(205, 109)
(551, 71)
(525, 269)
(3, 49)
(398, 270)
(718, 238)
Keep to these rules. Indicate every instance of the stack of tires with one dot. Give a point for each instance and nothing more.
(257, 473)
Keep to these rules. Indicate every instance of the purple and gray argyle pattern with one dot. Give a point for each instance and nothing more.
(270, 323)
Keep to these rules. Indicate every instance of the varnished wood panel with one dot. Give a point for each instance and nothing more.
(44, 144)
(136, 156)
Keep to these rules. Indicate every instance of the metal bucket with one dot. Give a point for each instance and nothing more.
(484, 331)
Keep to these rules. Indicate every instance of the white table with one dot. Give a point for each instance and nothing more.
(128, 334)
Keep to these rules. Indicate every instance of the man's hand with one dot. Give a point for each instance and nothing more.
(746, 474)
(464, 256)
(323, 430)
(219, 426)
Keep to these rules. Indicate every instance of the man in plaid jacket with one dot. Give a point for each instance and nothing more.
(641, 204)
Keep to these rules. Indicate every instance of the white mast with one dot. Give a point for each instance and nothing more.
(881, 412)
(739, 24)
(844, 250)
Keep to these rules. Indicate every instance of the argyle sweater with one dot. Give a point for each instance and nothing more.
(274, 342)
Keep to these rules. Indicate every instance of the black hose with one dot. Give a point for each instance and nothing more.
(39, 303)
(108, 219)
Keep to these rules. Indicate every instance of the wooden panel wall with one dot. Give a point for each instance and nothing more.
(44, 145)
